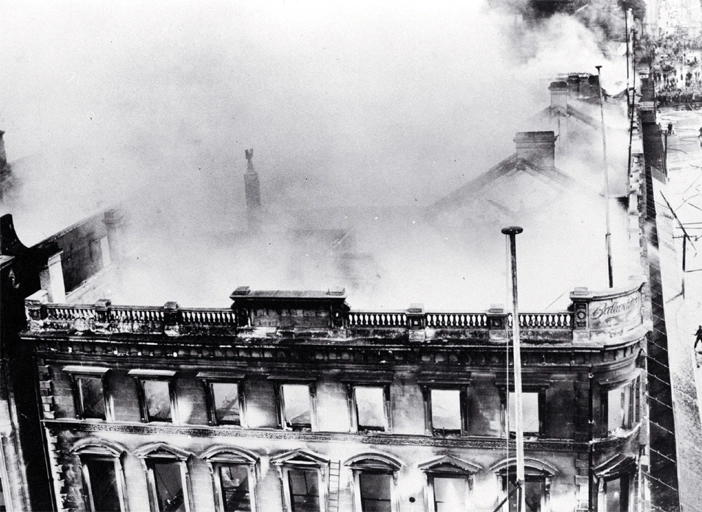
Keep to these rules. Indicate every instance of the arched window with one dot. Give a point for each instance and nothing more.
(303, 476)
(375, 480)
(537, 484)
(233, 473)
(449, 482)
(167, 476)
(102, 474)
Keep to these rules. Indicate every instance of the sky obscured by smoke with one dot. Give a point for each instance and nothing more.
(344, 103)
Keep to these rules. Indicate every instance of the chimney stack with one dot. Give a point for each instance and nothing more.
(253, 192)
(539, 148)
(559, 94)
(3, 155)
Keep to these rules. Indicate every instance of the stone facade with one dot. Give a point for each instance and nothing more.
(403, 410)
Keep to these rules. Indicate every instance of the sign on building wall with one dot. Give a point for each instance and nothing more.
(616, 315)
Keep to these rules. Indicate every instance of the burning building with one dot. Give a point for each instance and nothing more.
(294, 401)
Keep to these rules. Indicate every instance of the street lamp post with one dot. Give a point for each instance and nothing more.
(608, 234)
(512, 233)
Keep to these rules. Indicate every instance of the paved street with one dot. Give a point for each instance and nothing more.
(683, 292)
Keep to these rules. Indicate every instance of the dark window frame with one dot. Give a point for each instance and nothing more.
(541, 389)
(431, 492)
(145, 418)
(87, 478)
(210, 401)
(531, 475)
(627, 488)
(78, 396)
(463, 406)
(220, 504)
(633, 388)
(353, 407)
(149, 462)
(289, 496)
(229, 456)
(280, 405)
(359, 500)
(378, 464)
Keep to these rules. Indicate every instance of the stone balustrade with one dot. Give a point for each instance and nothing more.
(595, 317)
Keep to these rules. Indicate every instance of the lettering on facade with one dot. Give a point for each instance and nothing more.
(616, 315)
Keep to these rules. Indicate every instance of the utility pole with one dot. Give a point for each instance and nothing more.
(608, 234)
(512, 233)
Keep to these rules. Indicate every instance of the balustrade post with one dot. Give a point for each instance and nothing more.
(171, 319)
(36, 309)
(416, 322)
(581, 298)
(497, 321)
(338, 319)
(102, 313)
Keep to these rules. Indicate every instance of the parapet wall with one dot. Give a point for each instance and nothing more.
(609, 318)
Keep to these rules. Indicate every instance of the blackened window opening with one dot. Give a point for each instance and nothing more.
(168, 485)
(225, 402)
(234, 483)
(91, 396)
(376, 491)
(157, 400)
(304, 490)
(100, 485)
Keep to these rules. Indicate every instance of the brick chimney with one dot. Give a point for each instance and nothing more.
(539, 148)
(559, 94)
(3, 155)
(253, 192)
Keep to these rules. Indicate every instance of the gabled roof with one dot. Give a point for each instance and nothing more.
(569, 111)
(509, 166)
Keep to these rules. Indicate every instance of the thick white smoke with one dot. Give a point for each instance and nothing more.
(350, 105)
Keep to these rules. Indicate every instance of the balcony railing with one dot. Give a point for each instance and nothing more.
(604, 317)
(102, 317)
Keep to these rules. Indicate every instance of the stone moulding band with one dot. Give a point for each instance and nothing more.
(313, 437)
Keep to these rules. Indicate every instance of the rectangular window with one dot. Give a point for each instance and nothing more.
(446, 410)
(157, 399)
(225, 403)
(90, 396)
(375, 491)
(296, 407)
(100, 485)
(449, 493)
(304, 490)
(234, 486)
(530, 413)
(534, 491)
(617, 495)
(370, 408)
(622, 406)
(167, 482)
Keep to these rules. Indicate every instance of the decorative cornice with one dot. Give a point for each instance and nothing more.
(168, 353)
(542, 445)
